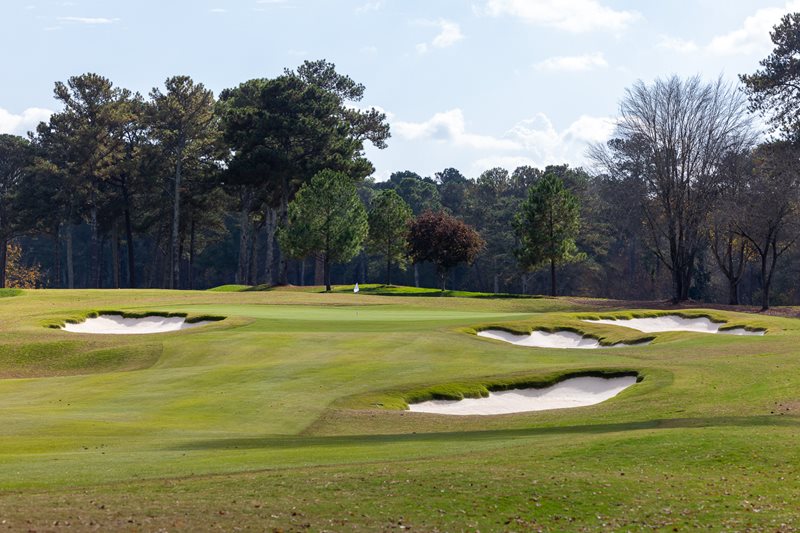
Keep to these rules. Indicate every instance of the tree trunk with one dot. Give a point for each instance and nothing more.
(283, 262)
(319, 269)
(302, 279)
(252, 270)
(94, 247)
(733, 291)
(3, 261)
(443, 280)
(388, 267)
(57, 257)
(327, 267)
(191, 256)
(496, 283)
(552, 277)
(115, 254)
(270, 221)
(176, 219)
(70, 259)
(245, 226)
(129, 238)
(416, 275)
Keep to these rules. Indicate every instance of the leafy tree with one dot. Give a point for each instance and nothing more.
(15, 156)
(452, 186)
(547, 227)
(775, 89)
(443, 240)
(85, 140)
(184, 124)
(21, 276)
(286, 130)
(326, 216)
(388, 227)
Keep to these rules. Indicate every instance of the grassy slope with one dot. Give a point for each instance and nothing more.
(268, 418)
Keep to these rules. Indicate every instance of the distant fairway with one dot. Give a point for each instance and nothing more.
(287, 414)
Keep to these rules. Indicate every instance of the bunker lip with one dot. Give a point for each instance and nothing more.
(119, 324)
(657, 324)
(572, 392)
(562, 339)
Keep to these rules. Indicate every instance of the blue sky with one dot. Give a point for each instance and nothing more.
(466, 84)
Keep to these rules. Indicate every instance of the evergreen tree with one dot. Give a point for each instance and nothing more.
(547, 226)
(327, 217)
(388, 227)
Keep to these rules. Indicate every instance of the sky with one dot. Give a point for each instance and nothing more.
(465, 84)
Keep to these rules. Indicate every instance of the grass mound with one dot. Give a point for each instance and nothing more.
(229, 288)
(7, 293)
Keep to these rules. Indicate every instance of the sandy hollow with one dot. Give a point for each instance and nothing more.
(573, 392)
(117, 325)
(545, 339)
(674, 323)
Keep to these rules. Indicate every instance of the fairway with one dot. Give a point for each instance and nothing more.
(290, 414)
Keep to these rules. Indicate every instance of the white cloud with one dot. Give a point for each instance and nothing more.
(449, 34)
(369, 50)
(753, 36)
(575, 16)
(372, 5)
(677, 45)
(544, 144)
(23, 122)
(89, 20)
(450, 127)
(534, 141)
(580, 63)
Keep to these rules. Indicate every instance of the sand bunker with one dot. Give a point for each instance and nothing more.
(675, 323)
(573, 392)
(544, 339)
(117, 325)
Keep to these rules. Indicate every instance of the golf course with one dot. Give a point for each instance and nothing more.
(288, 410)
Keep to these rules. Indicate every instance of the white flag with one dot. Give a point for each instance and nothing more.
(355, 289)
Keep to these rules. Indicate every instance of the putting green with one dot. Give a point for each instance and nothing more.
(289, 405)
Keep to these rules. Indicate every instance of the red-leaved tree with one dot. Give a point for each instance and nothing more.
(443, 240)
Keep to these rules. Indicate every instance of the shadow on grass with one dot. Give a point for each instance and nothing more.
(286, 442)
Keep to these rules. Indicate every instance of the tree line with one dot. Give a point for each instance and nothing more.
(268, 184)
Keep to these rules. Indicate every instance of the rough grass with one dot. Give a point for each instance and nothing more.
(289, 415)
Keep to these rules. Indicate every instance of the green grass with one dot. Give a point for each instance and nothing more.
(230, 288)
(289, 415)
(6, 293)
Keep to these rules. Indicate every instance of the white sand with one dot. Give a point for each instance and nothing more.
(675, 323)
(543, 339)
(574, 392)
(117, 325)
(557, 339)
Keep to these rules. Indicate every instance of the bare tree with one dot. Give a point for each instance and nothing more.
(731, 250)
(672, 135)
(770, 208)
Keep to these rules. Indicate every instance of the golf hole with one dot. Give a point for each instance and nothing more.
(555, 339)
(572, 392)
(119, 325)
(675, 323)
